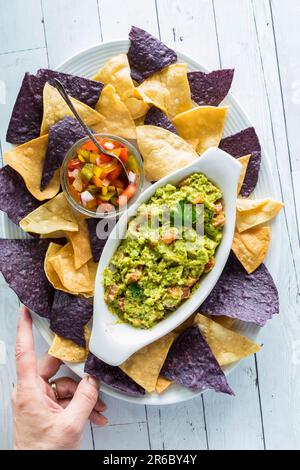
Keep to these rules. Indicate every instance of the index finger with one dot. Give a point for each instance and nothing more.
(25, 355)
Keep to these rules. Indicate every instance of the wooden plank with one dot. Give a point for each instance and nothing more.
(13, 66)
(122, 437)
(234, 423)
(117, 20)
(8, 320)
(286, 20)
(243, 43)
(70, 26)
(21, 27)
(177, 427)
(189, 27)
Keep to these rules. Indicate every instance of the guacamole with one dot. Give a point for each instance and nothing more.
(164, 254)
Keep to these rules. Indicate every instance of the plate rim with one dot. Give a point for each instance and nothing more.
(183, 394)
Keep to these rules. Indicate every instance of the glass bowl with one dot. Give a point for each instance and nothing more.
(98, 214)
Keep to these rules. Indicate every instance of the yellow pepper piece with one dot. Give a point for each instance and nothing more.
(97, 171)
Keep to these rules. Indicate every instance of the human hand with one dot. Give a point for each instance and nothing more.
(44, 418)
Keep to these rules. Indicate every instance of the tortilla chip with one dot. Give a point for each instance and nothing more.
(210, 89)
(52, 216)
(56, 109)
(163, 152)
(244, 143)
(68, 351)
(162, 384)
(28, 160)
(69, 315)
(155, 117)
(253, 212)
(15, 199)
(62, 136)
(116, 72)
(27, 115)
(112, 376)
(80, 242)
(61, 272)
(117, 117)
(227, 346)
(144, 366)
(244, 162)
(191, 363)
(226, 322)
(168, 90)
(250, 247)
(251, 298)
(185, 325)
(147, 55)
(97, 244)
(22, 265)
(205, 123)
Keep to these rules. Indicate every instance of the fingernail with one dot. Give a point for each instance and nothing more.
(103, 406)
(93, 381)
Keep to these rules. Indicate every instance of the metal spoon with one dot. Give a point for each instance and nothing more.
(61, 89)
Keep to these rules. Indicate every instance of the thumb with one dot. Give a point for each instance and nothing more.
(84, 400)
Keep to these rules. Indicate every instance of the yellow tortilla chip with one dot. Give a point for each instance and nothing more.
(61, 272)
(227, 322)
(244, 162)
(80, 241)
(250, 247)
(117, 117)
(162, 384)
(205, 123)
(68, 351)
(116, 72)
(28, 160)
(186, 324)
(56, 234)
(144, 366)
(52, 216)
(168, 89)
(163, 152)
(56, 109)
(226, 345)
(252, 212)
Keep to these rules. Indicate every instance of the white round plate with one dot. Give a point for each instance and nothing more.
(86, 64)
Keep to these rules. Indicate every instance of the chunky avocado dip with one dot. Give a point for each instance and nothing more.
(164, 254)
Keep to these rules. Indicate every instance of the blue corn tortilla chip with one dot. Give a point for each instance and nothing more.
(62, 136)
(22, 265)
(69, 314)
(209, 89)
(156, 117)
(252, 297)
(112, 376)
(97, 244)
(27, 114)
(191, 363)
(15, 199)
(147, 55)
(244, 143)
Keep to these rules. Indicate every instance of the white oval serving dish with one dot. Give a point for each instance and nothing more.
(112, 341)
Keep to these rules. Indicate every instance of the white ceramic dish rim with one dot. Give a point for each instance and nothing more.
(174, 394)
(114, 342)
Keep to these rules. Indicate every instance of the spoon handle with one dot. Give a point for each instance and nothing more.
(61, 89)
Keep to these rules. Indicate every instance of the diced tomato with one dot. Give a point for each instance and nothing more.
(74, 163)
(114, 175)
(124, 155)
(127, 194)
(90, 146)
(105, 206)
(105, 158)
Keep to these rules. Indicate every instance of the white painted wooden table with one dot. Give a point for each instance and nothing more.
(260, 39)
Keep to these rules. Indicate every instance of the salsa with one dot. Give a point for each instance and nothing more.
(159, 263)
(96, 181)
